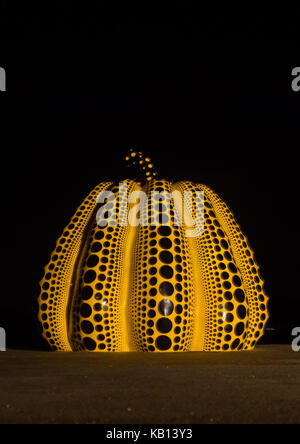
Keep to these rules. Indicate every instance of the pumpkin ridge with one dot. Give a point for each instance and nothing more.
(100, 316)
(199, 311)
(56, 284)
(127, 276)
(258, 315)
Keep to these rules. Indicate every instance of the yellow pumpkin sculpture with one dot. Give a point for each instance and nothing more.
(152, 288)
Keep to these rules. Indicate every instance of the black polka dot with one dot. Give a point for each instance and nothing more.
(179, 309)
(229, 317)
(229, 306)
(163, 343)
(89, 344)
(85, 311)
(96, 247)
(235, 344)
(164, 231)
(239, 295)
(237, 281)
(166, 289)
(165, 243)
(225, 275)
(87, 327)
(166, 272)
(232, 267)
(153, 292)
(228, 256)
(228, 295)
(239, 329)
(152, 260)
(87, 293)
(99, 235)
(241, 312)
(166, 257)
(90, 276)
(178, 259)
(224, 244)
(92, 261)
(227, 285)
(153, 281)
(228, 328)
(166, 307)
(164, 325)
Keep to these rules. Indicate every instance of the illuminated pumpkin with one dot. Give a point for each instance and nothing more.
(152, 288)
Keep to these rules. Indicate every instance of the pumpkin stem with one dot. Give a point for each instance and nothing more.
(141, 163)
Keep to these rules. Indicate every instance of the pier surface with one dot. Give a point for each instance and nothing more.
(262, 386)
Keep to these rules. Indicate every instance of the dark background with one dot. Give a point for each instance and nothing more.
(206, 93)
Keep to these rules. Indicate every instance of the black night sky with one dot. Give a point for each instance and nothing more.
(208, 97)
